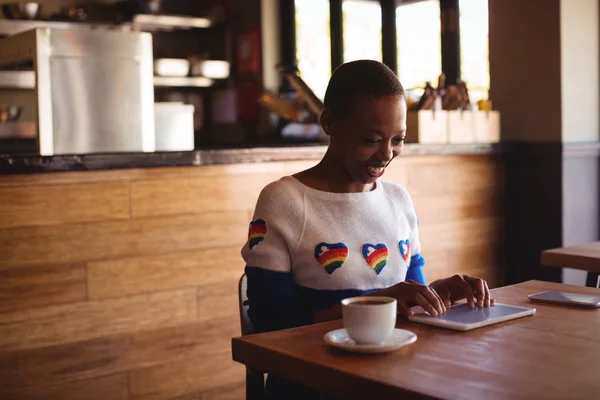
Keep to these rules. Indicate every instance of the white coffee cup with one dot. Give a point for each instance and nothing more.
(369, 319)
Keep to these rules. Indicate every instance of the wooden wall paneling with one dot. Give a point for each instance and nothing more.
(8, 371)
(68, 323)
(457, 207)
(171, 380)
(193, 396)
(448, 175)
(113, 354)
(61, 204)
(217, 171)
(465, 258)
(188, 196)
(456, 234)
(113, 387)
(42, 286)
(227, 392)
(219, 300)
(483, 260)
(61, 178)
(130, 238)
(164, 272)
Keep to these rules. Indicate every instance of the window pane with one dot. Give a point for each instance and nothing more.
(474, 49)
(313, 43)
(362, 30)
(419, 44)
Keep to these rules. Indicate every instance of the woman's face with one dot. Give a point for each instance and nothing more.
(369, 137)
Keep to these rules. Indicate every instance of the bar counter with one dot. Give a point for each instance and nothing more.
(18, 164)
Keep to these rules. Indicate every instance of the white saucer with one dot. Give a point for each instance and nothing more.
(400, 337)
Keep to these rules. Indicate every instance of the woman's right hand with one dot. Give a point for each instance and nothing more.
(410, 293)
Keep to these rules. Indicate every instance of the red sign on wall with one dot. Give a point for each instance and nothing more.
(249, 51)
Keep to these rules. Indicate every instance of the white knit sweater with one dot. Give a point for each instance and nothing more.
(334, 241)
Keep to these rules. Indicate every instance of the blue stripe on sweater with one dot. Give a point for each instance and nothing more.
(277, 302)
(415, 269)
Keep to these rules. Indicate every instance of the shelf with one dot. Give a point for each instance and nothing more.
(18, 130)
(26, 80)
(140, 22)
(17, 80)
(150, 22)
(14, 26)
(174, 81)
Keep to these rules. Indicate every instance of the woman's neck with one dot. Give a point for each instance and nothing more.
(329, 175)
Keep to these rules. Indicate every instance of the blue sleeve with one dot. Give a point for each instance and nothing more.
(415, 269)
(272, 301)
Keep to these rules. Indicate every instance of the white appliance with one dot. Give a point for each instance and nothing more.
(93, 89)
(174, 126)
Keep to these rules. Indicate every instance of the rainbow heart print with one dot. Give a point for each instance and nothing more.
(376, 256)
(405, 250)
(331, 256)
(257, 232)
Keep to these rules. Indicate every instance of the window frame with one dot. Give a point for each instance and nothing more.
(450, 35)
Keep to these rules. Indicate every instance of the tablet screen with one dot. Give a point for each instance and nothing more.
(463, 314)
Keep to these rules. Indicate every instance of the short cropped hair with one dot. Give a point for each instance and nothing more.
(357, 80)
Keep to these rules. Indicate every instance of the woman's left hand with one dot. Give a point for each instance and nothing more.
(459, 287)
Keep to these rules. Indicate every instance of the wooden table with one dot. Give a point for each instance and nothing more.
(586, 257)
(553, 354)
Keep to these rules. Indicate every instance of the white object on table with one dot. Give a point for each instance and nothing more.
(399, 338)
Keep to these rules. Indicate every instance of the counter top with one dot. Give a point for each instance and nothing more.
(23, 164)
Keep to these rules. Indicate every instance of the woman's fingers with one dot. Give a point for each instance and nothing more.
(478, 287)
(481, 291)
(439, 298)
(463, 289)
(432, 298)
(404, 310)
(421, 300)
(488, 297)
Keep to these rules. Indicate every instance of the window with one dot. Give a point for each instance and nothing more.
(313, 44)
(362, 30)
(419, 41)
(474, 48)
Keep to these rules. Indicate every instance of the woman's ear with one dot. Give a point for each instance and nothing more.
(327, 121)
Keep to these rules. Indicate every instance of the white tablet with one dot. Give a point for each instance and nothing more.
(582, 300)
(464, 318)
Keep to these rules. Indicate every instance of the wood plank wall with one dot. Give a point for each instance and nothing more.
(123, 284)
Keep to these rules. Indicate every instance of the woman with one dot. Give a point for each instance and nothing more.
(337, 230)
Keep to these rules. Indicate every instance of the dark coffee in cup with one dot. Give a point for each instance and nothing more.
(370, 302)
